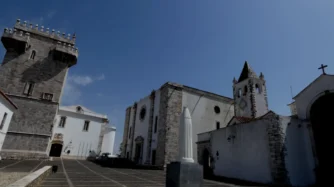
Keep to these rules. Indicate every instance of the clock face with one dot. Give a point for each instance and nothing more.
(242, 104)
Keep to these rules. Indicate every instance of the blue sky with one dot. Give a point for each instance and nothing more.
(127, 48)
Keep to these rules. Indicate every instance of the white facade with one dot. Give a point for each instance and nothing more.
(78, 138)
(241, 149)
(108, 141)
(311, 93)
(202, 110)
(204, 117)
(7, 108)
(275, 149)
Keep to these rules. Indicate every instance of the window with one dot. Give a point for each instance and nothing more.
(217, 109)
(33, 54)
(245, 90)
(47, 96)
(257, 88)
(217, 125)
(239, 92)
(3, 120)
(130, 131)
(79, 109)
(62, 122)
(142, 113)
(29, 87)
(156, 124)
(86, 126)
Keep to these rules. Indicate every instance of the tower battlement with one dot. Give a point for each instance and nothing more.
(45, 32)
(20, 39)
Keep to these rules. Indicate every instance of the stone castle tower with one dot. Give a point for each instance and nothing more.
(32, 74)
(250, 95)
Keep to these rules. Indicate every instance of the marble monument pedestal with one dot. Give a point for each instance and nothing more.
(184, 174)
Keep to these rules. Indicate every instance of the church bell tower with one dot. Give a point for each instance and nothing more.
(250, 95)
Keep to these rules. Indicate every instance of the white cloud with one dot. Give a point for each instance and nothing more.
(85, 80)
(80, 80)
(101, 77)
(71, 94)
(51, 14)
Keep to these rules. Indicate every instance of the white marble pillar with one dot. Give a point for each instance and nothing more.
(185, 137)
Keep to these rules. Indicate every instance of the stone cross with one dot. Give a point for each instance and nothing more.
(323, 68)
(185, 137)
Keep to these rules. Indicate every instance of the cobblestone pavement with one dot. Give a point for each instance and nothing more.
(13, 170)
(72, 173)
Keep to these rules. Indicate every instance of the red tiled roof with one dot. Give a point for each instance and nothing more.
(7, 98)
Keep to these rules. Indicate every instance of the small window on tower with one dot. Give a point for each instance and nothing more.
(239, 92)
(257, 88)
(245, 90)
(28, 88)
(33, 54)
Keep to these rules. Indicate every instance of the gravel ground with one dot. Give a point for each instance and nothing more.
(7, 178)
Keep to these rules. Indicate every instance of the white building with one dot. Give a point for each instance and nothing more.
(78, 133)
(260, 146)
(7, 108)
(108, 140)
(151, 124)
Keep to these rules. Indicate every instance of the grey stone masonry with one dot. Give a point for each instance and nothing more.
(170, 111)
(277, 150)
(150, 127)
(252, 97)
(126, 132)
(33, 77)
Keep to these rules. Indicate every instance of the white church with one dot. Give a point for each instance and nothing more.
(237, 137)
(261, 146)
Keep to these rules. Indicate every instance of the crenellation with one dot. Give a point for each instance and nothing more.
(44, 32)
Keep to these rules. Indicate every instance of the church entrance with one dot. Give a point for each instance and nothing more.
(138, 153)
(139, 149)
(322, 120)
(206, 162)
(56, 150)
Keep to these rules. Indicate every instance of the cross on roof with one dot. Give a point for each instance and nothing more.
(323, 68)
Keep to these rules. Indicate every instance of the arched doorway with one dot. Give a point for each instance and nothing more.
(55, 150)
(206, 163)
(322, 120)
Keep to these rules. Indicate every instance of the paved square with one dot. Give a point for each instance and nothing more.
(73, 173)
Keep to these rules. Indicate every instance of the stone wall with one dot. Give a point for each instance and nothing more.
(170, 111)
(31, 125)
(277, 150)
